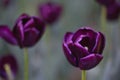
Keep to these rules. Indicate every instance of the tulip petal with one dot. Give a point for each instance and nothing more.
(11, 61)
(19, 32)
(39, 24)
(83, 31)
(86, 37)
(113, 11)
(100, 43)
(77, 35)
(50, 12)
(70, 57)
(19, 27)
(24, 18)
(90, 61)
(68, 37)
(31, 37)
(7, 35)
(34, 29)
(29, 24)
(77, 50)
(80, 51)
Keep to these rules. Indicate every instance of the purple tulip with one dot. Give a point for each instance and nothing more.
(26, 33)
(50, 12)
(106, 2)
(5, 3)
(11, 62)
(113, 11)
(84, 48)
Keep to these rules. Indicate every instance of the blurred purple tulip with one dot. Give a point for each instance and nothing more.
(106, 2)
(112, 7)
(26, 33)
(5, 3)
(84, 48)
(50, 12)
(11, 62)
(113, 11)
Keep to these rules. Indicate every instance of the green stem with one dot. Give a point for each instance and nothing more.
(26, 64)
(48, 38)
(83, 75)
(103, 18)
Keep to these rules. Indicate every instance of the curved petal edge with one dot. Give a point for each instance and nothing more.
(7, 35)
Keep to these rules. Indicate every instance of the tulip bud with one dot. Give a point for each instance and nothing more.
(50, 12)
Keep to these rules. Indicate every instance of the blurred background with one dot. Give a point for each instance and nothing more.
(46, 58)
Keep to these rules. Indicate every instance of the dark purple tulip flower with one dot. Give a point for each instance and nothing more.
(113, 11)
(10, 61)
(84, 48)
(50, 12)
(106, 2)
(26, 33)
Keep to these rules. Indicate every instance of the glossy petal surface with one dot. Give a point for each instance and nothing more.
(68, 37)
(32, 35)
(86, 37)
(28, 30)
(98, 48)
(89, 61)
(83, 48)
(7, 35)
(26, 33)
(70, 57)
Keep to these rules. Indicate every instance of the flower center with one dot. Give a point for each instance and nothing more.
(86, 48)
(8, 72)
(85, 42)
